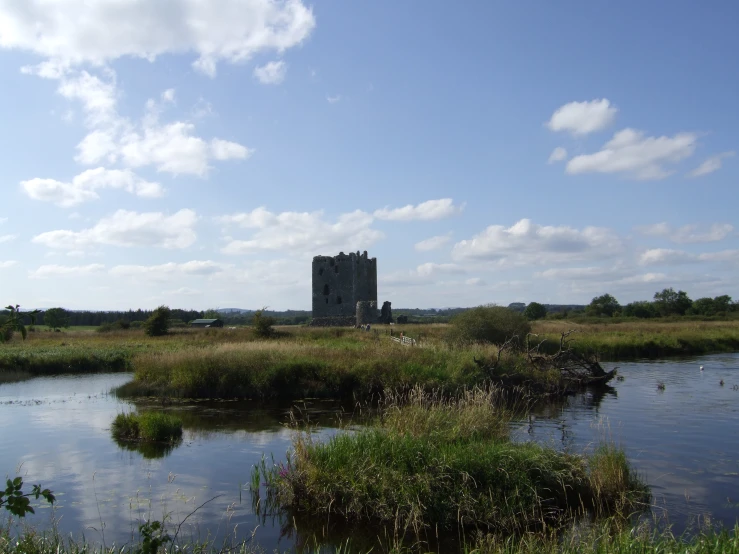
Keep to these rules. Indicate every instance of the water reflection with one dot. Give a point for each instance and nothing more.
(57, 430)
(149, 450)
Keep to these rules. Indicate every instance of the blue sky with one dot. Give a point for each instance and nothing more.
(199, 154)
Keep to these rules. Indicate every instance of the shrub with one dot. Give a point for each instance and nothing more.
(493, 324)
(158, 323)
(263, 324)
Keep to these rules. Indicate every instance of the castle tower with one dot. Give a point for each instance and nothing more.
(339, 282)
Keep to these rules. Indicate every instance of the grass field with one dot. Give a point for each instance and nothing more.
(330, 362)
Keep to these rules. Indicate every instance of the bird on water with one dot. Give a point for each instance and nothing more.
(701, 368)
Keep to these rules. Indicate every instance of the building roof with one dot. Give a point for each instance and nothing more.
(204, 320)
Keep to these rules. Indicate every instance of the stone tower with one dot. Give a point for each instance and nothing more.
(339, 282)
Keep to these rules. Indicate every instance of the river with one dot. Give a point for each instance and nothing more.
(56, 431)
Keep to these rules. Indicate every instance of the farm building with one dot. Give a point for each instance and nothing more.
(206, 323)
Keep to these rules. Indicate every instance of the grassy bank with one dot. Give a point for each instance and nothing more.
(646, 339)
(447, 465)
(333, 362)
(600, 540)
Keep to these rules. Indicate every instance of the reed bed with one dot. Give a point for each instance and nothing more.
(433, 462)
(147, 427)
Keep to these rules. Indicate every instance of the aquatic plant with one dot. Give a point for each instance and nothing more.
(147, 426)
(445, 463)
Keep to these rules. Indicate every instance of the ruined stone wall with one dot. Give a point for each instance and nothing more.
(366, 312)
(339, 282)
(337, 321)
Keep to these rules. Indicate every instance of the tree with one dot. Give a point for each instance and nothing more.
(603, 306)
(56, 318)
(711, 306)
(14, 322)
(669, 302)
(17, 502)
(158, 323)
(494, 324)
(535, 311)
(211, 314)
(642, 309)
(263, 323)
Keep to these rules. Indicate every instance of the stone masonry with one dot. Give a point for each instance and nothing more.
(339, 282)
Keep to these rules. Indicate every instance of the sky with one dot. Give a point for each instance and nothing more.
(198, 154)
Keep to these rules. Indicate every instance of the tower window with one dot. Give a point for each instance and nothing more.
(320, 271)
(338, 299)
(325, 290)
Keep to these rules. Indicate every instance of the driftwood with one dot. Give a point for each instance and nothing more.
(576, 369)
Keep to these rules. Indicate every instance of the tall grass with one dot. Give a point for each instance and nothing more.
(147, 426)
(446, 464)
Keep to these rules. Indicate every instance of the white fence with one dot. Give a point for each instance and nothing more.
(405, 340)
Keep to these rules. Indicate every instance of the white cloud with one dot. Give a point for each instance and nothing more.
(723, 256)
(475, 282)
(272, 73)
(432, 243)
(84, 186)
(47, 271)
(581, 118)
(226, 150)
(170, 147)
(3, 220)
(426, 211)
(638, 156)
(710, 165)
(7, 238)
(125, 228)
(333, 99)
(424, 274)
(557, 155)
(574, 273)
(71, 32)
(182, 291)
(8, 263)
(302, 232)
(169, 270)
(666, 256)
(528, 243)
(429, 268)
(688, 234)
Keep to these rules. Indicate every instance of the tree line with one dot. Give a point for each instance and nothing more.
(665, 303)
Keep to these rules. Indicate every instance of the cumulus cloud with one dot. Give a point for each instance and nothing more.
(640, 157)
(301, 232)
(47, 271)
(172, 147)
(432, 243)
(126, 228)
(333, 99)
(581, 118)
(7, 238)
(426, 211)
(557, 155)
(528, 243)
(272, 73)
(84, 186)
(575, 273)
(168, 270)
(72, 32)
(8, 263)
(688, 234)
(710, 165)
(724, 256)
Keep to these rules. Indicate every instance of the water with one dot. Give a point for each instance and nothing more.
(682, 440)
(56, 431)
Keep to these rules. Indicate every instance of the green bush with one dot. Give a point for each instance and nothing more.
(158, 323)
(492, 324)
(263, 324)
(147, 426)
